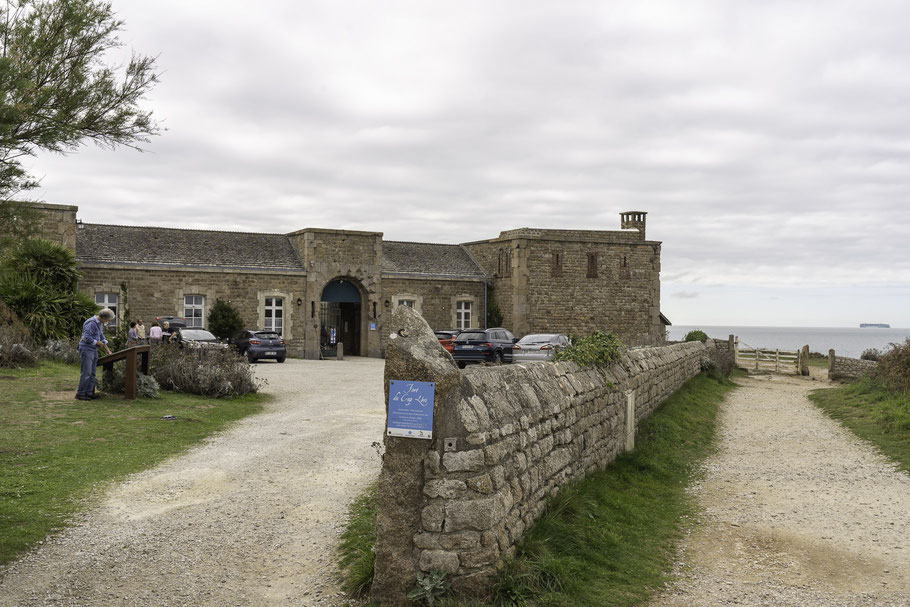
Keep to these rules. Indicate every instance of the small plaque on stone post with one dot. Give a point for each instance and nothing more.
(410, 409)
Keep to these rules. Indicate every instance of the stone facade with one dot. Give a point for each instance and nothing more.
(569, 281)
(505, 439)
(842, 367)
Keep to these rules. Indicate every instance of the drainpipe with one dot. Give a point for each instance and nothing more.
(486, 314)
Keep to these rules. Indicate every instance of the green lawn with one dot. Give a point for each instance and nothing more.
(609, 539)
(56, 452)
(873, 413)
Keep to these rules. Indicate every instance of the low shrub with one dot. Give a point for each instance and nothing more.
(13, 355)
(114, 381)
(61, 350)
(893, 368)
(871, 354)
(206, 371)
(696, 335)
(598, 349)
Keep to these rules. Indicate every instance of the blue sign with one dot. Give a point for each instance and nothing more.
(372, 326)
(411, 408)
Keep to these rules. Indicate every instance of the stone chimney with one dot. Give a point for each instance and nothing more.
(633, 220)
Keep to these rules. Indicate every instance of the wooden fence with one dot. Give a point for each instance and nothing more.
(761, 359)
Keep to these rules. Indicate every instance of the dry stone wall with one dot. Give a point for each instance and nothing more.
(842, 367)
(505, 439)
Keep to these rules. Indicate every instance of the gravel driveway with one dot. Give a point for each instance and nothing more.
(250, 517)
(798, 512)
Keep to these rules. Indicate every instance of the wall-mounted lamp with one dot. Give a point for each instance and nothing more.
(387, 303)
(299, 302)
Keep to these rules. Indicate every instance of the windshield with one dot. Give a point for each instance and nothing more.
(538, 339)
(268, 335)
(478, 336)
(197, 335)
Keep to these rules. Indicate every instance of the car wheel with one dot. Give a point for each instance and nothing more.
(280, 359)
(461, 365)
(250, 357)
(497, 358)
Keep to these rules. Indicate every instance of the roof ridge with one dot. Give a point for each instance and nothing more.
(119, 225)
(439, 244)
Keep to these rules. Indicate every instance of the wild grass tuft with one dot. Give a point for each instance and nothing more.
(357, 543)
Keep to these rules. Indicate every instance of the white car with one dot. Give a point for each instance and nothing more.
(538, 346)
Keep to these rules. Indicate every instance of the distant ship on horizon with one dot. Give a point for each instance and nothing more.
(874, 325)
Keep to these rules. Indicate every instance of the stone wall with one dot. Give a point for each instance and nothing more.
(842, 367)
(505, 439)
(435, 298)
(539, 276)
(57, 223)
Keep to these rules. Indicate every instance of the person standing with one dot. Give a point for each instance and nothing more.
(92, 339)
(155, 333)
(140, 331)
(132, 337)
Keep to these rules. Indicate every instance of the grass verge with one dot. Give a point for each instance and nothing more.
(55, 451)
(873, 413)
(608, 539)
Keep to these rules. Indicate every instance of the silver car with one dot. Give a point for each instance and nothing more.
(538, 346)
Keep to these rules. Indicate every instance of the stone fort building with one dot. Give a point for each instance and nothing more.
(321, 286)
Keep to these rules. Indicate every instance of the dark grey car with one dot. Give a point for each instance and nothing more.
(259, 345)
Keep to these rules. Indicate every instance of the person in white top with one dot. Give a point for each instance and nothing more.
(155, 333)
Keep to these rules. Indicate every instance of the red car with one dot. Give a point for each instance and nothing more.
(446, 338)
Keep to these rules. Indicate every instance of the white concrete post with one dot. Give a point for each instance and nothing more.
(630, 420)
(340, 355)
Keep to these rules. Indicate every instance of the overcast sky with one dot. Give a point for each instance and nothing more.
(768, 141)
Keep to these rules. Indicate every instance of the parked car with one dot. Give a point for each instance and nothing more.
(483, 345)
(196, 338)
(446, 338)
(538, 346)
(259, 345)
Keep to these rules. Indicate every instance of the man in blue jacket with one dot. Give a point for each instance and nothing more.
(92, 338)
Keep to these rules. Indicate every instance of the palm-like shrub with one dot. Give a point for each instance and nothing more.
(38, 282)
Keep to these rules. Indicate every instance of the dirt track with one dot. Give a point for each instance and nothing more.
(797, 511)
(250, 517)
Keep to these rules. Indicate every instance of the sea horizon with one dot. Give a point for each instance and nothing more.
(845, 341)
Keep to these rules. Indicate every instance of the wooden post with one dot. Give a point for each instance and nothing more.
(777, 361)
(757, 355)
(130, 374)
(830, 362)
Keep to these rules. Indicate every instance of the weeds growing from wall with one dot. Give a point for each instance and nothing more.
(599, 349)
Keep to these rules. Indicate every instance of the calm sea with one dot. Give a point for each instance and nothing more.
(846, 342)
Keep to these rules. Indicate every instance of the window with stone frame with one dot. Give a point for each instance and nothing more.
(194, 311)
(592, 265)
(109, 300)
(556, 267)
(407, 302)
(463, 314)
(274, 315)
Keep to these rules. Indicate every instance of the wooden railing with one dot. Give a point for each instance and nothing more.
(762, 359)
(137, 359)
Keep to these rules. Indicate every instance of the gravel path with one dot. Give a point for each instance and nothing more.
(797, 511)
(250, 517)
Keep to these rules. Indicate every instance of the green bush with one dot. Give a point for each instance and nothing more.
(871, 354)
(206, 371)
(600, 349)
(893, 367)
(224, 319)
(696, 335)
(38, 282)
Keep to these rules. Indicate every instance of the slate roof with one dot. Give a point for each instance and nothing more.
(171, 246)
(429, 259)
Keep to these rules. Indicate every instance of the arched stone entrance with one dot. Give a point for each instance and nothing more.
(340, 316)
